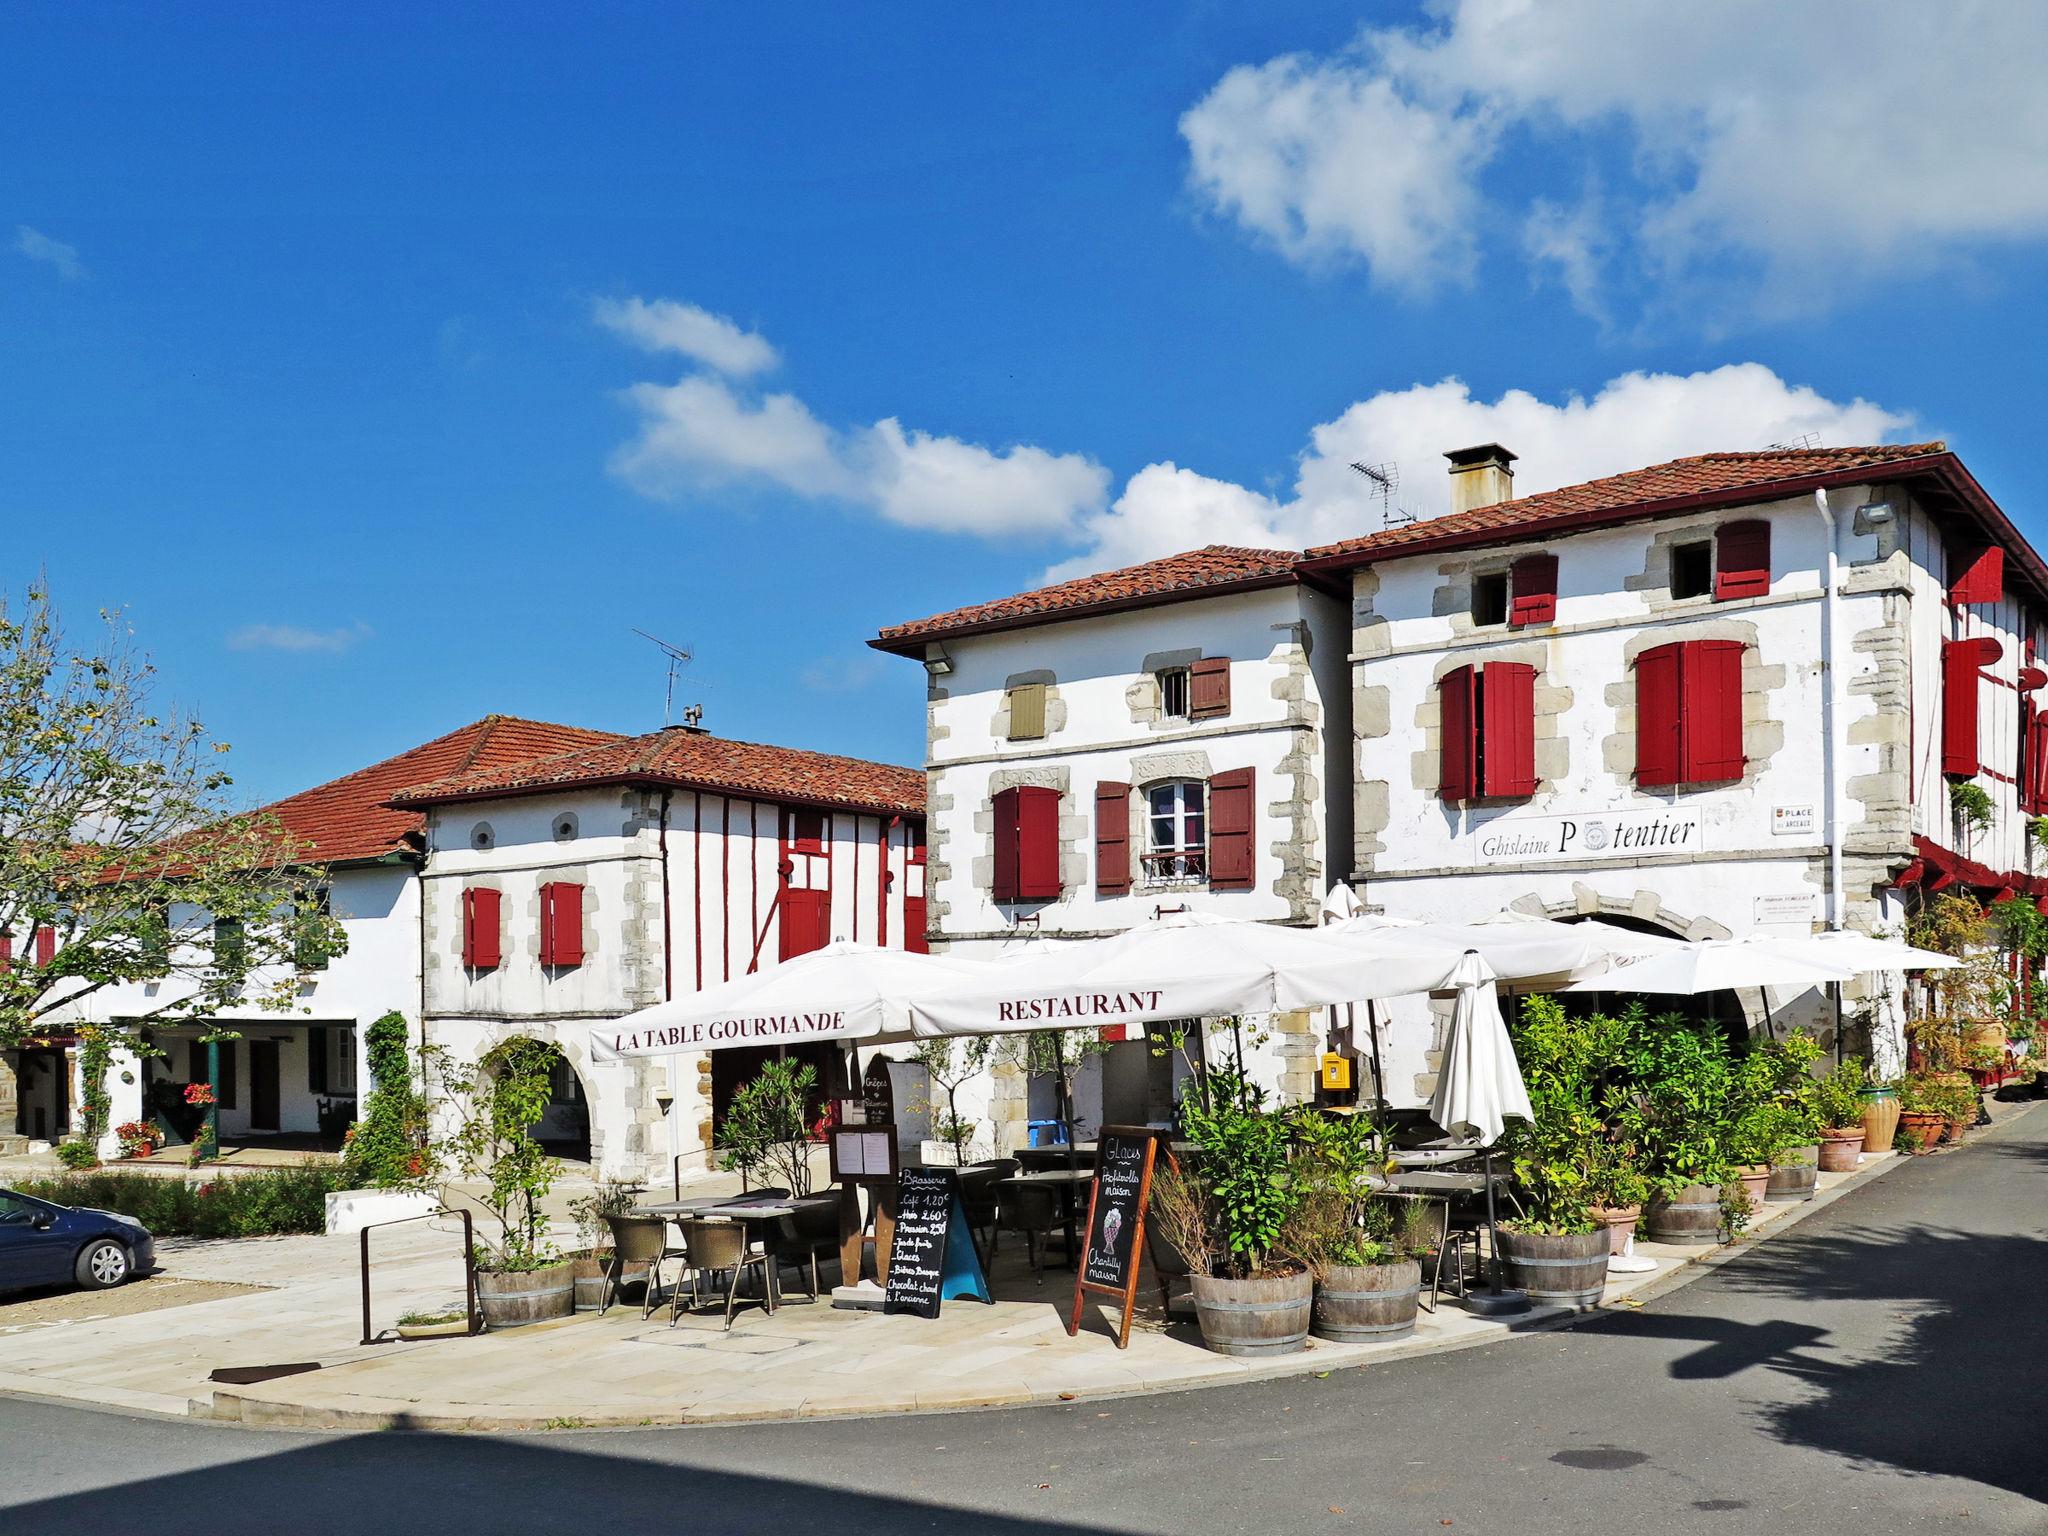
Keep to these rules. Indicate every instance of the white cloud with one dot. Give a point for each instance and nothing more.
(1634, 420)
(667, 326)
(1810, 151)
(37, 246)
(701, 432)
(849, 673)
(297, 637)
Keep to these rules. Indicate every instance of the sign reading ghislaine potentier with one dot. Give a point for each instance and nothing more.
(1648, 833)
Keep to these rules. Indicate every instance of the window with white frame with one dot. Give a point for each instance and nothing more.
(341, 1059)
(1173, 693)
(1177, 831)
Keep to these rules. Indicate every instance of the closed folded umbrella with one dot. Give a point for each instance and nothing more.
(1479, 1084)
(845, 991)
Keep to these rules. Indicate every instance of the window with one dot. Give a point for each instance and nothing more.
(1692, 569)
(1177, 831)
(1209, 688)
(1742, 560)
(1533, 580)
(1173, 693)
(341, 1060)
(1689, 713)
(807, 831)
(1488, 719)
(1490, 598)
(561, 924)
(307, 955)
(230, 945)
(1027, 712)
(1962, 666)
(1112, 838)
(481, 948)
(1027, 844)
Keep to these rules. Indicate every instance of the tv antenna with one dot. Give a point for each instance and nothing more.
(678, 658)
(1385, 480)
(1798, 444)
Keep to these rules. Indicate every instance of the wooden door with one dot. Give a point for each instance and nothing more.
(263, 1085)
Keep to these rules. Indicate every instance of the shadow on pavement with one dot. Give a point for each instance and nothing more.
(453, 1485)
(1957, 1392)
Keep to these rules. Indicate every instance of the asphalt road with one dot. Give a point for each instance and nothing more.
(1875, 1370)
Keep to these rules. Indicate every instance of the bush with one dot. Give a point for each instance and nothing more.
(390, 1147)
(78, 1153)
(244, 1205)
(1838, 1097)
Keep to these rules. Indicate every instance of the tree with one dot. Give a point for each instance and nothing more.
(495, 1105)
(951, 1061)
(118, 842)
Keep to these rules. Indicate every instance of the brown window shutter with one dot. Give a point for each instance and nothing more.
(1038, 843)
(1027, 712)
(1231, 852)
(1209, 688)
(1112, 839)
(1456, 718)
(1005, 811)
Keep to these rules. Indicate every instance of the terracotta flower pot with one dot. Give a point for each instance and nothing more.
(1841, 1149)
(1756, 1183)
(1923, 1127)
(1620, 1222)
(1954, 1128)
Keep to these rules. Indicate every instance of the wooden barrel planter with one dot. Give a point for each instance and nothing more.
(1620, 1223)
(590, 1270)
(1880, 1118)
(1254, 1317)
(1363, 1303)
(1690, 1216)
(1557, 1269)
(1842, 1149)
(1792, 1174)
(515, 1298)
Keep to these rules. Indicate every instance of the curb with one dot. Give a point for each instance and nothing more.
(371, 1413)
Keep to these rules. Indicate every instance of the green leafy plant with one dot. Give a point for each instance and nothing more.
(1337, 1219)
(1972, 805)
(495, 1105)
(1736, 1208)
(1614, 1177)
(78, 1153)
(1674, 1100)
(767, 1125)
(391, 1147)
(1565, 1063)
(260, 1204)
(1838, 1097)
(951, 1062)
(1240, 1167)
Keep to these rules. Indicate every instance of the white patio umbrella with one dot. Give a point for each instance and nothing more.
(845, 991)
(1179, 967)
(1521, 951)
(1711, 965)
(1861, 952)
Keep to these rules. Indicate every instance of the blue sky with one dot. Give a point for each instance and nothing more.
(320, 352)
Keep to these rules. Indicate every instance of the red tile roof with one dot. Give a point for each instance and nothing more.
(1706, 478)
(351, 817)
(690, 759)
(1202, 572)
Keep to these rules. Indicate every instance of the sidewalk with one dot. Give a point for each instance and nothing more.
(808, 1361)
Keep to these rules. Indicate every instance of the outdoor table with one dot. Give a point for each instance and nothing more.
(1068, 1181)
(740, 1208)
(1430, 1157)
(1081, 1152)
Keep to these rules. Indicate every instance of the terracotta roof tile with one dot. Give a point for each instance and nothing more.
(1191, 574)
(351, 817)
(1707, 474)
(692, 760)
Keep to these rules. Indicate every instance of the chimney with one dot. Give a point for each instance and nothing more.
(1480, 477)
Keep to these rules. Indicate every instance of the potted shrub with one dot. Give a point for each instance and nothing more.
(1226, 1210)
(1675, 1108)
(1959, 1102)
(1555, 1250)
(1838, 1104)
(138, 1139)
(768, 1129)
(592, 1259)
(1618, 1191)
(1366, 1288)
(521, 1278)
(1922, 1118)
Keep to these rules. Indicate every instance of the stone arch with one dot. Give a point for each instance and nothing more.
(571, 1129)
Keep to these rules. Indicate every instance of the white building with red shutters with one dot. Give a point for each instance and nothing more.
(1166, 736)
(1720, 696)
(565, 891)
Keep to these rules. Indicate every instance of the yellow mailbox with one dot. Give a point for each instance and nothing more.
(1336, 1071)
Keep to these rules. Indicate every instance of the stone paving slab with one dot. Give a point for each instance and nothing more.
(808, 1361)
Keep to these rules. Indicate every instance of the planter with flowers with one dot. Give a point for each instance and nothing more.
(1366, 1287)
(1838, 1104)
(138, 1139)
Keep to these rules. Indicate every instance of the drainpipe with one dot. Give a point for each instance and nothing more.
(1830, 714)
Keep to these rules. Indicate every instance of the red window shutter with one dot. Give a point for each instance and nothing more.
(6, 953)
(1710, 729)
(1657, 716)
(561, 923)
(1962, 661)
(1231, 854)
(1209, 688)
(806, 922)
(1006, 814)
(480, 948)
(914, 920)
(1742, 560)
(2037, 759)
(1980, 578)
(2025, 771)
(1038, 843)
(1112, 839)
(45, 945)
(1532, 581)
(1455, 708)
(1508, 730)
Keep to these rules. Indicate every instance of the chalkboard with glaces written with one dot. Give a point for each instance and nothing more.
(1113, 1246)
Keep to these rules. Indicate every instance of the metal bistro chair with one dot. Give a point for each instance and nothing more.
(1031, 1210)
(713, 1248)
(799, 1239)
(636, 1240)
(978, 1185)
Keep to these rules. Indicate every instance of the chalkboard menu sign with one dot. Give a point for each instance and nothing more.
(877, 1088)
(1111, 1250)
(931, 1253)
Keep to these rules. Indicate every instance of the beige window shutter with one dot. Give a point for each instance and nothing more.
(1027, 712)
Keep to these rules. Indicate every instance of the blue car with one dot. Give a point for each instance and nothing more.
(46, 1244)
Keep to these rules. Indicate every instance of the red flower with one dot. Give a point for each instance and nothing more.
(199, 1093)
